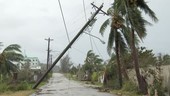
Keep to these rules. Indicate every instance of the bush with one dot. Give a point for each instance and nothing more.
(19, 86)
(23, 86)
(157, 82)
(113, 84)
(94, 76)
(130, 86)
(3, 87)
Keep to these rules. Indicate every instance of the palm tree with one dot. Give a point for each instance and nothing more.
(118, 35)
(136, 23)
(92, 63)
(9, 55)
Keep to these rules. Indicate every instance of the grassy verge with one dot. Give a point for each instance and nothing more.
(124, 93)
(17, 93)
(19, 89)
(25, 92)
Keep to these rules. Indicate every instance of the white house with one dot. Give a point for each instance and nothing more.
(34, 63)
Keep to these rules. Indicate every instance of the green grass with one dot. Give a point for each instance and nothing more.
(124, 93)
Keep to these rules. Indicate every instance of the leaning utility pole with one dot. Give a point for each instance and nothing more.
(68, 46)
(48, 51)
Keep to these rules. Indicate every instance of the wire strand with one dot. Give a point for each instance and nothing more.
(86, 21)
(64, 21)
(84, 10)
(97, 49)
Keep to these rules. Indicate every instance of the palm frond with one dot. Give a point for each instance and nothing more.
(147, 22)
(138, 23)
(13, 56)
(111, 40)
(119, 5)
(13, 47)
(126, 33)
(11, 67)
(143, 6)
(122, 44)
(104, 26)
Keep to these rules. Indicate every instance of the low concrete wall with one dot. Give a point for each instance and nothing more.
(165, 73)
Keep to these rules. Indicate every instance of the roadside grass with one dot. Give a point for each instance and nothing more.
(24, 92)
(19, 89)
(17, 93)
(124, 93)
(22, 89)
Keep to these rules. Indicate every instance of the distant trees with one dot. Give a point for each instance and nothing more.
(65, 64)
(163, 59)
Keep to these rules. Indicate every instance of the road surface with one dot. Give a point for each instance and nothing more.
(60, 86)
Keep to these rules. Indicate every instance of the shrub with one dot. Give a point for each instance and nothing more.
(19, 86)
(157, 82)
(130, 86)
(23, 86)
(94, 76)
(112, 83)
(3, 87)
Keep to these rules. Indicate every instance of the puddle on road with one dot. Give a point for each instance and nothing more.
(52, 90)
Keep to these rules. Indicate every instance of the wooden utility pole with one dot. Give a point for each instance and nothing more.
(68, 46)
(48, 51)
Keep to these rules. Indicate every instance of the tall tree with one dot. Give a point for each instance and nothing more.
(118, 35)
(131, 10)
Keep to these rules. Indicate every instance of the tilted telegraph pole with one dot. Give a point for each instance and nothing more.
(68, 46)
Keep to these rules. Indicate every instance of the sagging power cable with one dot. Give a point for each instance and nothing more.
(64, 21)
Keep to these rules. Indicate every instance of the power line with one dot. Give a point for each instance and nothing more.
(84, 10)
(86, 20)
(64, 21)
(97, 49)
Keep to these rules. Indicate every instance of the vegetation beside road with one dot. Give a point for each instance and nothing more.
(104, 75)
(13, 79)
(18, 93)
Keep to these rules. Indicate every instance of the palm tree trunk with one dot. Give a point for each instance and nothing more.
(141, 83)
(118, 60)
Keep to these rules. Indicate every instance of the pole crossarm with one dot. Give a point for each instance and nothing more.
(68, 46)
(98, 8)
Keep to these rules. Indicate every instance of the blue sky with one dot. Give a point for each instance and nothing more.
(29, 22)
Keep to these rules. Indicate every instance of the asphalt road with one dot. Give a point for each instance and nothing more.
(60, 86)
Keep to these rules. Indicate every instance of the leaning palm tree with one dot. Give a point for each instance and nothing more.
(9, 55)
(131, 10)
(118, 35)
